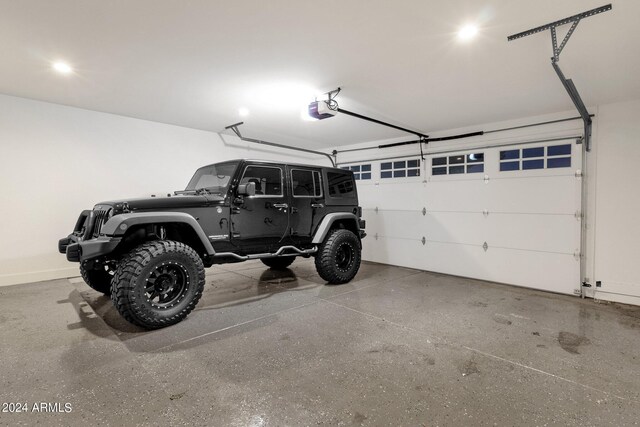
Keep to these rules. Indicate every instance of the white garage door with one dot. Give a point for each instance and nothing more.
(509, 214)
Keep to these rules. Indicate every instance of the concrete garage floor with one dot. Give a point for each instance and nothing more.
(394, 347)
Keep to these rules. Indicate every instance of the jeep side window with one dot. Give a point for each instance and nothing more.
(268, 180)
(305, 183)
(340, 184)
(318, 183)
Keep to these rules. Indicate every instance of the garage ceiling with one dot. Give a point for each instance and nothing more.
(195, 63)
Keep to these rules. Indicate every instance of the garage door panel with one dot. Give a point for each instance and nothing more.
(444, 227)
(454, 259)
(454, 195)
(366, 192)
(398, 223)
(555, 194)
(539, 270)
(455, 227)
(409, 196)
(553, 233)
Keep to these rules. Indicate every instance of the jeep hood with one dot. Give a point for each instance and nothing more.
(171, 203)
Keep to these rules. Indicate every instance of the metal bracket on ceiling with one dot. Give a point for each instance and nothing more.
(557, 50)
(332, 103)
(234, 128)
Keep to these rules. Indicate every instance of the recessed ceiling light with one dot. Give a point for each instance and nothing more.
(467, 32)
(62, 67)
(281, 95)
(243, 111)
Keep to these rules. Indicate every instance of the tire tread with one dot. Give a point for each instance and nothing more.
(325, 258)
(130, 267)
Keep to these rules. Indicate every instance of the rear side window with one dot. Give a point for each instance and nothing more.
(305, 183)
(340, 185)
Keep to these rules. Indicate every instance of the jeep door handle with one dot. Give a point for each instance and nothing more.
(280, 205)
(317, 205)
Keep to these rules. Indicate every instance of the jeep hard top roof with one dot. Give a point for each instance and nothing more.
(273, 162)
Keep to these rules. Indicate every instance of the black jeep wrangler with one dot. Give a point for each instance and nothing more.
(150, 254)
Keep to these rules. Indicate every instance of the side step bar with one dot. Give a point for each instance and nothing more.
(279, 252)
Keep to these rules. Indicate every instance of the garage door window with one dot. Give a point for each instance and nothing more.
(553, 156)
(359, 171)
(400, 169)
(458, 164)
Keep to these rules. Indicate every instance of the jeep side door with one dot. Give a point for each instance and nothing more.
(259, 222)
(306, 202)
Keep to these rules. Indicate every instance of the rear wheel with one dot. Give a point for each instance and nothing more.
(158, 284)
(97, 276)
(339, 256)
(279, 263)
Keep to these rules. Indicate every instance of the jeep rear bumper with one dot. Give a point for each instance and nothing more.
(78, 250)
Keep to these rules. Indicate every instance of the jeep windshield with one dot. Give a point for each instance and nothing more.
(212, 179)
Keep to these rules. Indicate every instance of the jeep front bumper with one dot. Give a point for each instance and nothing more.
(78, 250)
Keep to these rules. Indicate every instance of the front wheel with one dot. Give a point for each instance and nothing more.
(338, 258)
(158, 284)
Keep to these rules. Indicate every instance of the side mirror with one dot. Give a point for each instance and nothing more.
(248, 189)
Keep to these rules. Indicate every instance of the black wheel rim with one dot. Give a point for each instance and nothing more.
(166, 285)
(344, 256)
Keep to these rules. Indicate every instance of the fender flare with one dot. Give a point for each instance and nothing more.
(118, 225)
(327, 222)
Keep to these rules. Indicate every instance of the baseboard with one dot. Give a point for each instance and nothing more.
(37, 276)
(616, 297)
(616, 291)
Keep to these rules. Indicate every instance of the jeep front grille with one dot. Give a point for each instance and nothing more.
(100, 218)
(92, 223)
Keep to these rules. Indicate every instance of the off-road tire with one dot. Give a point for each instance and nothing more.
(142, 267)
(97, 279)
(279, 263)
(331, 263)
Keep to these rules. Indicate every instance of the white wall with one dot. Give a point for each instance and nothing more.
(612, 198)
(56, 161)
(617, 231)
